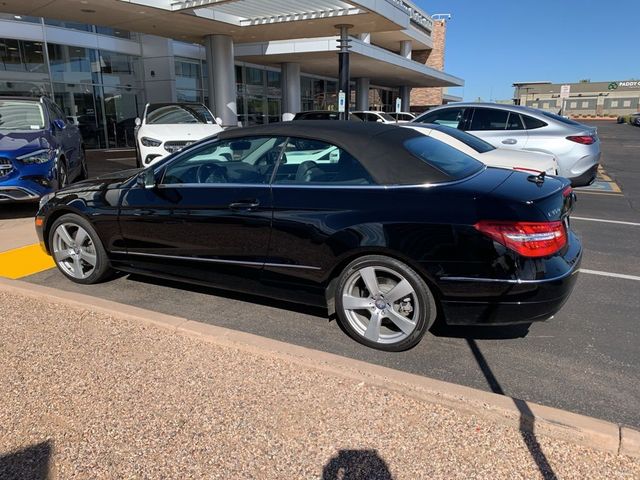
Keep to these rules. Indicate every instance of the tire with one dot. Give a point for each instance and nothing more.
(62, 173)
(84, 171)
(81, 259)
(401, 317)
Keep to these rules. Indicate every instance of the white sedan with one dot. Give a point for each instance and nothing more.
(167, 128)
(526, 161)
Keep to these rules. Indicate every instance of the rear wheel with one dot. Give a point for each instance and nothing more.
(384, 304)
(78, 251)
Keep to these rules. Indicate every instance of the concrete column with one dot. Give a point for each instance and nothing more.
(406, 48)
(405, 96)
(222, 78)
(362, 94)
(291, 93)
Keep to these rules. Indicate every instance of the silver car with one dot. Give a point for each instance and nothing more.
(575, 146)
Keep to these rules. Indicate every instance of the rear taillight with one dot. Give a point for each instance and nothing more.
(529, 239)
(583, 139)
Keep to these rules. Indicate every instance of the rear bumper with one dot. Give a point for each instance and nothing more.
(486, 301)
(587, 178)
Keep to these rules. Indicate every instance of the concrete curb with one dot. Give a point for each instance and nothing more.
(538, 419)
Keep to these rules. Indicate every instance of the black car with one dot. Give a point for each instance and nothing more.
(386, 227)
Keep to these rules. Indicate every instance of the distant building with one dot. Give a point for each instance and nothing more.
(611, 98)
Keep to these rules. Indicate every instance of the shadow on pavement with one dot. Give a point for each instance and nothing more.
(356, 465)
(241, 297)
(31, 463)
(527, 420)
(502, 332)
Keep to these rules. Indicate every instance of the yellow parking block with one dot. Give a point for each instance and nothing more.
(24, 261)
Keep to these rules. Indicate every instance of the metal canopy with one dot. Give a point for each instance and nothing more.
(258, 12)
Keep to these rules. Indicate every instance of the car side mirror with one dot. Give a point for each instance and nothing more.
(138, 121)
(59, 124)
(146, 178)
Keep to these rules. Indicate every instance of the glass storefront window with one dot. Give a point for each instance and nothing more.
(20, 18)
(79, 105)
(188, 74)
(189, 95)
(255, 76)
(21, 56)
(119, 69)
(72, 25)
(121, 107)
(72, 64)
(117, 32)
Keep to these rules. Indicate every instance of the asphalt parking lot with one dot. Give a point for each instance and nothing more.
(584, 360)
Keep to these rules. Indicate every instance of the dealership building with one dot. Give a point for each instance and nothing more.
(250, 61)
(612, 98)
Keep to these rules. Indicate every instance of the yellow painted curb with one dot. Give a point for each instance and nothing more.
(24, 261)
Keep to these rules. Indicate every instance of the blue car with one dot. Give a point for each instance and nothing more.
(40, 150)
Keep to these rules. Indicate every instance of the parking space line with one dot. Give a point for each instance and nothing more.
(619, 222)
(609, 274)
(24, 261)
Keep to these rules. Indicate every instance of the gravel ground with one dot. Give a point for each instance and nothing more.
(86, 395)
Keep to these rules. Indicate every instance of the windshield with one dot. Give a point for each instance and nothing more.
(558, 118)
(178, 114)
(469, 140)
(444, 157)
(21, 115)
(386, 116)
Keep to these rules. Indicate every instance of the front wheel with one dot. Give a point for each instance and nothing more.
(78, 251)
(384, 304)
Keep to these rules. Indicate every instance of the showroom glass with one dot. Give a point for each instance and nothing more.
(79, 106)
(21, 56)
(16, 115)
(469, 140)
(72, 64)
(248, 160)
(488, 119)
(307, 162)
(443, 157)
(451, 117)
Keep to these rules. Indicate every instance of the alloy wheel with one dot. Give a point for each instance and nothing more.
(380, 304)
(74, 250)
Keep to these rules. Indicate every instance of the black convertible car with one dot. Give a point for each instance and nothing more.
(386, 227)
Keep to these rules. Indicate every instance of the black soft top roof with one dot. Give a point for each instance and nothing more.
(379, 147)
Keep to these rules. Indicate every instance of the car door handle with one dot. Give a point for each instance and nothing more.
(245, 204)
(510, 141)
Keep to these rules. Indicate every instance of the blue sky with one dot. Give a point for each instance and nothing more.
(493, 43)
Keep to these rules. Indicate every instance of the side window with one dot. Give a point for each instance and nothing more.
(451, 117)
(514, 122)
(307, 162)
(489, 119)
(249, 160)
(531, 123)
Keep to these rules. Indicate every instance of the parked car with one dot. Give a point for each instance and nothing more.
(167, 128)
(387, 232)
(575, 146)
(402, 116)
(322, 115)
(40, 150)
(531, 162)
(635, 119)
(374, 116)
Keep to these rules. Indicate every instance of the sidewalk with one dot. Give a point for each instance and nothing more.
(88, 395)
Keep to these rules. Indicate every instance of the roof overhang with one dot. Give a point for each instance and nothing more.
(244, 20)
(318, 56)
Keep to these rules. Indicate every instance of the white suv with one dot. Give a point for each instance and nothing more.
(167, 128)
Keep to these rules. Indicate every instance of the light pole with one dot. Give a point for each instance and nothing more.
(343, 67)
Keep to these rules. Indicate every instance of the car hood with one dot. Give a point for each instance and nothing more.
(21, 142)
(103, 182)
(180, 132)
(501, 157)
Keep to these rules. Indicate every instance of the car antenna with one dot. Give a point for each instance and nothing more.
(537, 179)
